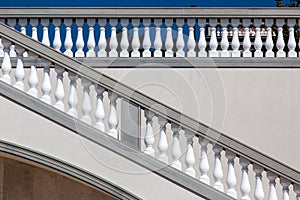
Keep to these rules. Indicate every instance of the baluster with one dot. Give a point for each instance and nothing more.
(12, 23)
(213, 44)
(176, 150)
(1, 49)
(292, 43)
(224, 43)
(163, 143)
(33, 82)
(169, 38)
(149, 137)
(191, 40)
(204, 164)
(280, 41)
(202, 44)
(68, 41)
(46, 86)
(269, 43)
(235, 44)
(79, 41)
(218, 171)
(297, 191)
(19, 73)
(112, 117)
(135, 39)
(124, 41)
(102, 40)
(272, 191)
(231, 178)
(247, 44)
(113, 43)
(73, 98)
(285, 188)
(91, 39)
(86, 107)
(146, 41)
(6, 63)
(259, 192)
(34, 23)
(99, 112)
(59, 92)
(190, 156)
(23, 23)
(180, 41)
(45, 40)
(57, 40)
(245, 184)
(258, 44)
(157, 40)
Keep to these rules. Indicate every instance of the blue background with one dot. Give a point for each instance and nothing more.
(139, 3)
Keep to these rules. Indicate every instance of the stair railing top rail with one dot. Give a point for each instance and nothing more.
(147, 103)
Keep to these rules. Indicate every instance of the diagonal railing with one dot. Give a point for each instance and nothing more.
(134, 104)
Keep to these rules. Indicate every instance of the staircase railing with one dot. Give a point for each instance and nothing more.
(199, 137)
(161, 32)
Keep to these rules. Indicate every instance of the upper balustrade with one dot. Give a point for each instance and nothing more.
(160, 32)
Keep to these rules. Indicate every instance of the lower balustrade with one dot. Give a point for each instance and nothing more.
(183, 149)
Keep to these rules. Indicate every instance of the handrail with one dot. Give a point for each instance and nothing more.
(146, 102)
(78, 12)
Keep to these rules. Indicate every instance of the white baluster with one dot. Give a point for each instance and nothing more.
(213, 44)
(45, 39)
(68, 43)
(180, 43)
(163, 143)
(190, 156)
(280, 44)
(102, 44)
(23, 30)
(157, 43)
(113, 44)
(202, 44)
(112, 117)
(191, 43)
(135, 43)
(23, 23)
(285, 188)
(86, 107)
(269, 43)
(218, 171)
(1, 49)
(225, 43)
(258, 44)
(33, 82)
(57, 40)
(99, 112)
(46, 86)
(73, 98)
(12, 23)
(6, 63)
(149, 137)
(59, 92)
(169, 43)
(231, 178)
(235, 44)
(79, 40)
(245, 184)
(20, 73)
(297, 191)
(259, 192)
(124, 43)
(91, 39)
(34, 22)
(176, 150)
(292, 43)
(204, 164)
(247, 44)
(12, 52)
(146, 43)
(272, 191)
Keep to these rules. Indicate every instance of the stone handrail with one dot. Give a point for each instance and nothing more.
(133, 105)
(161, 32)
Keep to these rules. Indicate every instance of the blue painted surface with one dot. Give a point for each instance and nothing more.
(138, 3)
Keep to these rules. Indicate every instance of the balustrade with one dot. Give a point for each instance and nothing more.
(219, 36)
